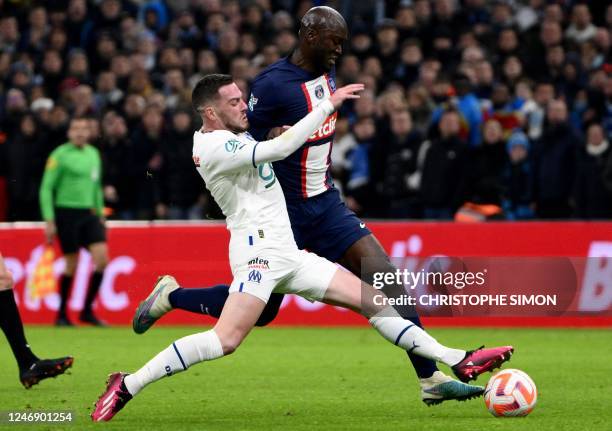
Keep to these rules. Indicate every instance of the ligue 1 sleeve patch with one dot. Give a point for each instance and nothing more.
(51, 163)
(233, 145)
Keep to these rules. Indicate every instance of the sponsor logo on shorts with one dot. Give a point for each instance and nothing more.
(258, 263)
(255, 276)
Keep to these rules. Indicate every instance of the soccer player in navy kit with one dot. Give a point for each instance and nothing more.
(281, 95)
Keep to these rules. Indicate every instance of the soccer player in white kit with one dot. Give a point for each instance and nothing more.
(263, 254)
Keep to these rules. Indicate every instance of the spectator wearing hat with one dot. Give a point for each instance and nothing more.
(517, 178)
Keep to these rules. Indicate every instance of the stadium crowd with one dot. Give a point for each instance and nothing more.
(473, 109)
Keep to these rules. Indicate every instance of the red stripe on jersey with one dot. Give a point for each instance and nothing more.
(326, 176)
(327, 82)
(303, 166)
(307, 97)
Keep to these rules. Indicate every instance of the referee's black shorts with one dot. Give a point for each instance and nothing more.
(78, 227)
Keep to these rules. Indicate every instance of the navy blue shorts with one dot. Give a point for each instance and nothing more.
(324, 225)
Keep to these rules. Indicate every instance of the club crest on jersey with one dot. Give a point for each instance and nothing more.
(252, 102)
(259, 263)
(319, 93)
(255, 276)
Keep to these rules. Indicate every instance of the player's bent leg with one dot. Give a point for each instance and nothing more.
(239, 315)
(210, 301)
(207, 300)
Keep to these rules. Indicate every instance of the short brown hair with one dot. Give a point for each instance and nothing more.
(207, 89)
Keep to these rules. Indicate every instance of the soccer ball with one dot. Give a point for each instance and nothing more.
(510, 393)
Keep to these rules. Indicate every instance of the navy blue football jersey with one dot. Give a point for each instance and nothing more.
(282, 94)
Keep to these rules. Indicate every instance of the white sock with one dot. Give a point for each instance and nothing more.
(410, 337)
(180, 355)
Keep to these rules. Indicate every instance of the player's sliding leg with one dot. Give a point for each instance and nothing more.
(348, 291)
(239, 315)
(436, 386)
(168, 295)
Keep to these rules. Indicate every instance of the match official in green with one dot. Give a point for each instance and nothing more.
(72, 206)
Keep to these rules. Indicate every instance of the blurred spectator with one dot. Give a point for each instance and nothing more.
(544, 93)
(503, 110)
(555, 164)
(442, 184)
(593, 191)
(398, 169)
(181, 194)
(518, 178)
(581, 29)
(420, 106)
(358, 166)
(146, 140)
(467, 106)
(486, 164)
(23, 161)
(119, 158)
(108, 95)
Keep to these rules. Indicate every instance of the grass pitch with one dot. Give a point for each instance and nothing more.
(305, 379)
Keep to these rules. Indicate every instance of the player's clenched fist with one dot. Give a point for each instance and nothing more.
(347, 92)
(6, 278)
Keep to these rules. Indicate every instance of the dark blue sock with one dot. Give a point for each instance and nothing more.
(208, 300)
(424, 367)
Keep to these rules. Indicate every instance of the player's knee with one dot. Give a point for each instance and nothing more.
(266, 317)
(101, 264)
(71, 264)
(230, 343)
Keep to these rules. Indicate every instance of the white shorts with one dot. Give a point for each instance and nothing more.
(261, 271)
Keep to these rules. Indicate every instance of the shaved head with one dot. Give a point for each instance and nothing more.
(322, 32)
(322, 18)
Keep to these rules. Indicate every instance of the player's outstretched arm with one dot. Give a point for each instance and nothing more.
(287, 143)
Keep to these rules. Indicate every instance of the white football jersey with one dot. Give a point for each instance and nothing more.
(249, 194)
